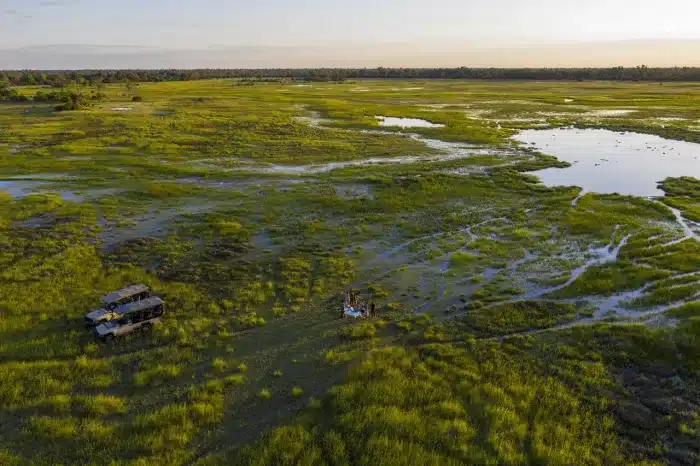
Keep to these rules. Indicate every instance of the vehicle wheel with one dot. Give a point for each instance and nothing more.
(109, 338)
(147, 327)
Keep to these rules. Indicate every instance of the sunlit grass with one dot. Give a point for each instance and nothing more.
(252, 267)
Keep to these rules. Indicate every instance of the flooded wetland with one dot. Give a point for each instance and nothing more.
(604, 161)
(532, 250)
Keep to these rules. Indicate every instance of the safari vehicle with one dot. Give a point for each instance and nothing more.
(131, 317)
(113, 301)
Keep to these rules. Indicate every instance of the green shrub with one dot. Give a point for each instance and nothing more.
(101, 405)
(360, 331)
(219, 365)
(58, 403)
(235, 379)
(8, 459)
(158, 375)
(461, 259)
(51, 428)
(94, 429)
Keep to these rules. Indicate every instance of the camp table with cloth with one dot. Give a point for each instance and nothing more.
(351, 312)
(351, 305)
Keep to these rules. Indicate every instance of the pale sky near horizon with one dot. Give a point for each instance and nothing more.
(204, 23)
(317, 33)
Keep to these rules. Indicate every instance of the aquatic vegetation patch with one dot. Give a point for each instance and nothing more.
(517, 316)
(608, 279)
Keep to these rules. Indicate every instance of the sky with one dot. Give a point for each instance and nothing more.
(323, 27)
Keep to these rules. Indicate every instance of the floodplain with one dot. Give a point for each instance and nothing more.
(519, 322)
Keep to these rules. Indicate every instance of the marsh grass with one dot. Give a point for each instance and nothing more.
(608, 279)
(252, 266)
(405, 407)
(666, 296)
(519, 316)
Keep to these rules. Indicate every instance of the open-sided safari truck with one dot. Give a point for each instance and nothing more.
(139, 315)
(113, 301)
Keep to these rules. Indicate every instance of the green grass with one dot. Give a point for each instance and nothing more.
(252, 266)
(666, 296)
(435, 405)
(691, 309)
(460, 259)
(519, 316)
(608, 279)
(235, 379)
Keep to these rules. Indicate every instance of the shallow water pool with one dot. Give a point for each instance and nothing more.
(23, 188)
(407, 122)
(609, 162)
(19, 188)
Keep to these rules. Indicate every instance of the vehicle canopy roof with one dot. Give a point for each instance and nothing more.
(124, 293)
(147, 303)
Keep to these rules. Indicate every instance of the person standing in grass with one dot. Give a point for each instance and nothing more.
(372, 310)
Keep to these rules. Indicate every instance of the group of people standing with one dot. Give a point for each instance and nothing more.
(354, 307)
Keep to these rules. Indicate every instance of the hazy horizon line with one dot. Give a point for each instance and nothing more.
(487, 42)
(411, 54)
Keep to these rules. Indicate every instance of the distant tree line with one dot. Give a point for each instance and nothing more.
(59, 78)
